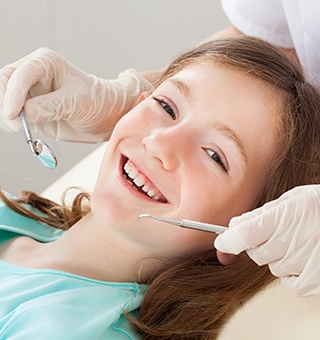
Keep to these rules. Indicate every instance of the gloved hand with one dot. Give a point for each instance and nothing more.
(62, 101)
(285, 234)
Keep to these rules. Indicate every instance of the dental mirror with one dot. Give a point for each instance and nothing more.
(38, 148)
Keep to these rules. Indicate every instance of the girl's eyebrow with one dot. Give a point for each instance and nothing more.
(182, 87)
(233, 137)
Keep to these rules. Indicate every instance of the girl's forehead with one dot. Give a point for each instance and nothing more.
(212, 73)
(173, 70)
(206, 67)
(208, 75)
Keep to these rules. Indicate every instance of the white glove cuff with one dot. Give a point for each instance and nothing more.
(143, 84)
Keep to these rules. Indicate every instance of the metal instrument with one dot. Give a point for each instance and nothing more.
(188, 224)
(38, 148)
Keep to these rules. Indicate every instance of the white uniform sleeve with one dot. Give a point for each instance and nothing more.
(286, 23)
(264, 19)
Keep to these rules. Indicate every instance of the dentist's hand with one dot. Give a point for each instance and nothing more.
(285, 235)
(62, 101)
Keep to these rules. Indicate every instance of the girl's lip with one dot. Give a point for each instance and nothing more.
(133, 189)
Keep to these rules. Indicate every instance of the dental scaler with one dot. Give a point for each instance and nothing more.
(38, 148)
(212, 228)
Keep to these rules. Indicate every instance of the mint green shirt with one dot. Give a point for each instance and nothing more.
(51, 304)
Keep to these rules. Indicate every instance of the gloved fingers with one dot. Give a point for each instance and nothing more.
(288, 198)
(230, 242)
(10, 125)
(282, 244)
(17, 89)
(287, 250)
(62, 130)
(291, 285)
(298, 287)
(248, 234)
(45, 108)
(308, 281)
(298, 258)
(39, 66)
(277, 219)
(302, 190)
(5, 74)
(287, 267)
(267, 253)
(6, 124)
(68, 101)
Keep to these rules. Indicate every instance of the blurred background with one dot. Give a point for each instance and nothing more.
(102, 37)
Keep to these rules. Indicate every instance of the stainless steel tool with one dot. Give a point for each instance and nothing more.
(38, 148)
(188, 224)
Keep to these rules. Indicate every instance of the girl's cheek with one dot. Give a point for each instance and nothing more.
(135, 115)
(128, 121)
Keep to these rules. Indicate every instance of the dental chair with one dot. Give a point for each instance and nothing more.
(272, 314)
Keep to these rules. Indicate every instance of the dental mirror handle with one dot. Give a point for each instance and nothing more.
(26, 131)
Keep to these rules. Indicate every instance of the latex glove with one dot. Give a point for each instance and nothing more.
(285, 234)
(62, 101)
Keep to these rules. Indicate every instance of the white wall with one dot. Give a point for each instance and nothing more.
(102, 37)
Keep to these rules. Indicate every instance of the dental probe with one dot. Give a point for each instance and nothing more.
(188, 224)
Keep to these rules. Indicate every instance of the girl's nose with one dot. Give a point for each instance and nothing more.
(167, 145)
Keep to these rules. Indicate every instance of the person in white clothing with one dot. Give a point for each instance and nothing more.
(290, 24)
(68, 104)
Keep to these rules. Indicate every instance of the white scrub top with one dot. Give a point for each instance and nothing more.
(286, 23)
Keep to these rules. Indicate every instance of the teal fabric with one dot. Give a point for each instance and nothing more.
(50, 304)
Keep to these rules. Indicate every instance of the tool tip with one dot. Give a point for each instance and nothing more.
(143, 216)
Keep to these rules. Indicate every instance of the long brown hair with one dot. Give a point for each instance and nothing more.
(194, 299)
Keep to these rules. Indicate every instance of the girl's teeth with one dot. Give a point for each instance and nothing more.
(150, 193)
(132, 174)
(145, 188)
(127, 168)
(139, 181)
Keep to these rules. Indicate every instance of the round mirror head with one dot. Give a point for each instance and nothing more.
(45, 154)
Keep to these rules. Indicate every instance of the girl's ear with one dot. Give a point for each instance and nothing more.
(142, 97)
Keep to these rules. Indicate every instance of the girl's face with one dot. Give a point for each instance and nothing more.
(198, 148)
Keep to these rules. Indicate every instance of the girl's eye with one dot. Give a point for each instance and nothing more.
(166, 107)
(216, 157)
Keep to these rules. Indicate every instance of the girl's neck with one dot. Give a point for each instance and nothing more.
(87, 251)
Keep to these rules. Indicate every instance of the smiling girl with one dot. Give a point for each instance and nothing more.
(232, 125)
